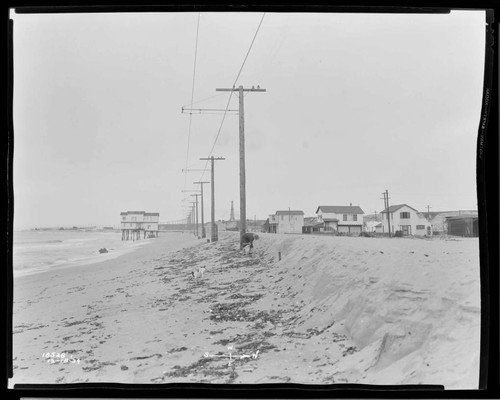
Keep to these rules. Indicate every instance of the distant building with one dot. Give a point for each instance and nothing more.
(289, 221)
(371, 221)
(405, 219)
(312, 225)
(341, 219)
(135, 224)
(463, 225)
(438, 219)
(379, 228)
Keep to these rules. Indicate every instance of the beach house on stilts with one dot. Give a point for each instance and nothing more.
(135, 224)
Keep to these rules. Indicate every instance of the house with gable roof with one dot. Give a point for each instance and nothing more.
(341, 219)
(406, 219)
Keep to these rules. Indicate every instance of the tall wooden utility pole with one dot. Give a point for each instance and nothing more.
(214, 236)
(203, 233)
(243, 213)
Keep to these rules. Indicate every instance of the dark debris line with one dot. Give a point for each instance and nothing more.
(230, 306)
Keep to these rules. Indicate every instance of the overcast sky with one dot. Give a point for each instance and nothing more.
(355, 104)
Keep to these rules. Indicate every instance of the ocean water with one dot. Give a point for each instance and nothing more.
(35, 251)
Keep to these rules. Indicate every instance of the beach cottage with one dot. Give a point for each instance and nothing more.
(406, 219)
(290, 221)
(341, 219)
(135, 224)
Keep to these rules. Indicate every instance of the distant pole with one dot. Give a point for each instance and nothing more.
(214, 235)
(193, 212)
(196, 195)
(386, 208)
(388, 213)
(243, 215)
(428, 211)
(203, 233)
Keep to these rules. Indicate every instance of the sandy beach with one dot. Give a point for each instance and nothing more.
(332, 310)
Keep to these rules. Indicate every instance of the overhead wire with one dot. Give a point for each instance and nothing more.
(205, 99)
(231, 93)
(192, 94)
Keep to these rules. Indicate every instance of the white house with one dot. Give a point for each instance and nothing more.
(289, 221)
(133, 223)
(405, 219)
(342, 219)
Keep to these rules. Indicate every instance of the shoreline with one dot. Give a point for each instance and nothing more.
(112, 261)
(89, 261)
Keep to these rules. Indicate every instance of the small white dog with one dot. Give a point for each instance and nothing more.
(199, 273)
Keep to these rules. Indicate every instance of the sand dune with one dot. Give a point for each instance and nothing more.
(332, 310)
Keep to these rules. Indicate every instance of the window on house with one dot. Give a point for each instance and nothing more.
(354, 217)
(344, 217)
(134, 218)
(420, 226)
(282, 218)
(404, 215)
(123, 218)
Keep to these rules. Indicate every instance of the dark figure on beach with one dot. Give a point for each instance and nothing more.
(247, 240)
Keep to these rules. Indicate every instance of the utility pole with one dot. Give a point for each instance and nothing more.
(214, 235)
(428, 211)
(388, 213)
(203, 233)
(243, 215)
(197, 194)
(193, 212)
(386, 205)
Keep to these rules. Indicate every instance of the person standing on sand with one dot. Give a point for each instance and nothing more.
(247, 240)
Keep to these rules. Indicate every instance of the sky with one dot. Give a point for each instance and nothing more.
(355, 104)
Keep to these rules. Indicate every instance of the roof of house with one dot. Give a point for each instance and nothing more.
(289, 212)
(312, 221)
(463, 216)
(444, 214)
(397, 207)
(139, 212)
(372, 217)
(341, 209)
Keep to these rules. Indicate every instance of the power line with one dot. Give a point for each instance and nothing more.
(250, 48)
(231, 93)
(192, 93)
(202, 100)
